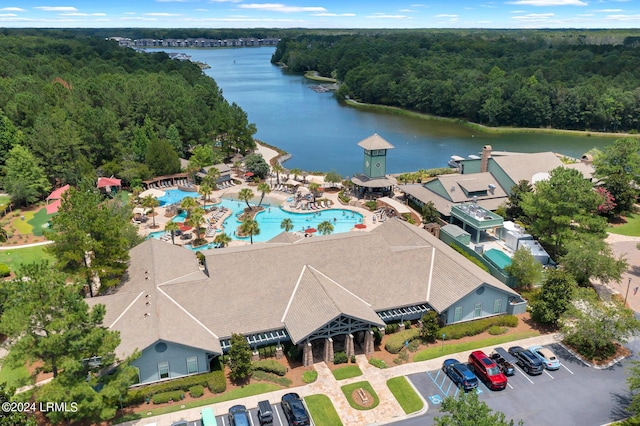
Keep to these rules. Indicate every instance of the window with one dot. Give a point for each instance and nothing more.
(163, 370)
(477, 313)
(192, 364)
(497, 306)
(457, 314)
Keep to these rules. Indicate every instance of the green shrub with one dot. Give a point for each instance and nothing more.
(163, 397)
(4, 270)
(377, 336)
(396, 342)
(310, 376)
(413, 345)
(472, 328)
(270, 366)
(371, 205)
(474, 260)
(407, 324)
(217, 382)
(391, 328)
(340, 358)
(196, 391)
(353, 359)
(139, 395)
(294, 354)
(378, 363)
(495, 330)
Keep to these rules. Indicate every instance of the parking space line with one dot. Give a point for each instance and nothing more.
(567, 368)
(482, 384)
(251, 420)
(548, 374)
(438, 385)
(279, 419)
(223, 422)
(509, 384)
(524, 374)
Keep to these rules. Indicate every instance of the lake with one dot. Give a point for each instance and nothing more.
(322, 134)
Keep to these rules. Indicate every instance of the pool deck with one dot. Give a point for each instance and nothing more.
(274, 197)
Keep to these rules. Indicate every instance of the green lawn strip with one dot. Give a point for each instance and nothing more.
(405, 394)
(347, 372)
(348, 390)
(4, 199)
(452, 348)
(39, 222)
(630, 229)
(23, 226)
(15, 373)
(322, 410)
(14, 257)
(248, 390)
(311, 75)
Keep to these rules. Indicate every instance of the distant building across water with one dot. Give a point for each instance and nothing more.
(195, 42)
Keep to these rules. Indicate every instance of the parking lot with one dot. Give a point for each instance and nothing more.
(278, 419)
(573, 395)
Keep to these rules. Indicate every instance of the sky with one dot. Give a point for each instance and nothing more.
(320, 14)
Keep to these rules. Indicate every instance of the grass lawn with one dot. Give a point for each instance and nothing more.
(322, 410)
(15, 375)
(438, 351)
(630, 229)
(39, 222)
(14, 257)
(348, 390)
(405, 394)
(347, 372)
(23, 226)
(248, 390)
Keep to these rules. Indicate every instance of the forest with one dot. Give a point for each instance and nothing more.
(79, 106)
(576, 80)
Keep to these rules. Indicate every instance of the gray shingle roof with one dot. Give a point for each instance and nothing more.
(300, 286)
(523, 167)
(375, 141)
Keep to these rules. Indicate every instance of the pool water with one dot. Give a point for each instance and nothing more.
(172, 196)
(498, 258)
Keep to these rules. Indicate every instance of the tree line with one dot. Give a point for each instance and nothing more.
(80, 107)
(559, 79)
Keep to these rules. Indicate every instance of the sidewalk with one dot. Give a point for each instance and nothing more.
(387, 411)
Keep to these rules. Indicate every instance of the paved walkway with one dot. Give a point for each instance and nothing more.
(386, 412)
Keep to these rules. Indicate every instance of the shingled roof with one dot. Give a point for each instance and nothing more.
(375, 141)
(298, 286)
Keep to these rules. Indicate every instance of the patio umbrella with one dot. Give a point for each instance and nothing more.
(292, 182)
(155, 193)
(361, 226)
(185, 228)
(310, 230)
(248, 174)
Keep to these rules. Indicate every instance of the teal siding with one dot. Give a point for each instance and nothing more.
(436, 186)
(484, 295)
(470, 166)
(175, 354)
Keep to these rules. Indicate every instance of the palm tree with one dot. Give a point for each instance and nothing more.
(222, 239)
(250, 227)
(151, 203)
(286, 224)
(192, 169)
(135, 191)
(205, 190)
(245, 195)
(212, 177)
(172, 227)
(278, 169)
(236, 165)
(325, 228)
(264, 188)
(296, 172)
(196, 218)
(188, 204)
(313, 187)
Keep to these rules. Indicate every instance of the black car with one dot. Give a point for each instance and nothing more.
(527, 360)
(294, 410)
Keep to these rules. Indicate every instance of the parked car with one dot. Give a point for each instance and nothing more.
(460, 374)
(294, 410)
(487, 370)
(548, 358)
(527, 360)
(265, 413)
(239, 416)
(504, 360)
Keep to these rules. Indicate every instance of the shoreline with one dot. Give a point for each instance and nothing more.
(482, 128)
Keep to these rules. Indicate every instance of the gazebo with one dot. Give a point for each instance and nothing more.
(54, 199)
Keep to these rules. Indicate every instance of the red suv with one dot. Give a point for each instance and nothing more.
(487, 370)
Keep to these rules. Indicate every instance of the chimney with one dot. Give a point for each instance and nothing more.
(486, 154)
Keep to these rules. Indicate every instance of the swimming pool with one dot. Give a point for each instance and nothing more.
(498, 258)
(172, 196)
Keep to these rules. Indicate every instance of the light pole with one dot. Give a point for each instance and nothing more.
(627, 293)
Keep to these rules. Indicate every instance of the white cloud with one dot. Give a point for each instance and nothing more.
(83, 14)
(609, 10)
(534, 17)
(173, 1)
(161, 14)
(385, 16)
(548, 2)
(225, 1)
(57, 8)
(518, 11)
(325, 14)
(279, 7)
(623, 18)
(406, 11)
(202, 10)
(444, 15)
(12, 9)
(6, 15)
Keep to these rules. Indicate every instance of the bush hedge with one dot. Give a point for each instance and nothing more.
(4, 270)
(161, 398)
(196, 391)
(470, 257)
(139, 395)
(471, 328)
(378, 363)
(217, 382)
(270, 366)
(340, 358)
(267, 351)
(396, 342)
